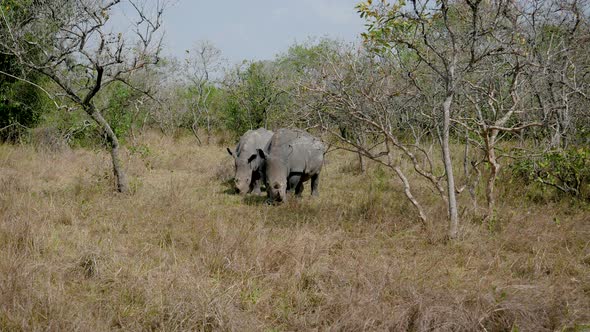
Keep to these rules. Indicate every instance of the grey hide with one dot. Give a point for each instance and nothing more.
(292, 157)
(248, 165)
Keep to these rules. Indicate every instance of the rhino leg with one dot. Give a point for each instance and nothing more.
(296, 184)
(299, 189)
(315, 179)
(290, 186)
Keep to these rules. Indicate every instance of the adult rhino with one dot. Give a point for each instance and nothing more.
(292, 157)
(248, 165)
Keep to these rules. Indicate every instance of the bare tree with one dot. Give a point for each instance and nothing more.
(167, 108)
(496, 101)
(557, 34)
(494, 84)
(481, 51)
(523, 72)
(430, 32)
(77, 46)
(359, 99)
(201, 64)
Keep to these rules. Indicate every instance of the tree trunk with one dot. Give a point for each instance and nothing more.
(409, 195)
(208, 128)
(361, 142)
(556, 138)
(195, 130)
(120, 177)
(362, 167)
(494, 169)
(468, 170)
(446, 150)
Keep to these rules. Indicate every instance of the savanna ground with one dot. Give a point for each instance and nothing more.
(183, 253)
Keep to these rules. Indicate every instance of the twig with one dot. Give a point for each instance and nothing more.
(35, 85)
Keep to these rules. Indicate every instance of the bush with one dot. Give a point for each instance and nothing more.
(118, 112)
(233, 117)
(20, 102)
(566, 171)
(49, 138)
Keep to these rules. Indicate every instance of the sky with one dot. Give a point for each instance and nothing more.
(257, 29)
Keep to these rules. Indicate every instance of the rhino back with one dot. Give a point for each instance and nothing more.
(307, 156)
(300, 151)
(252, 140)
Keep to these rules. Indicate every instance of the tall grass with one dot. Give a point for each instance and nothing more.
(182, 253)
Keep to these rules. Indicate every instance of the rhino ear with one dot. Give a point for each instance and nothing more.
(230, 153)
(261, 153)
(252, 157)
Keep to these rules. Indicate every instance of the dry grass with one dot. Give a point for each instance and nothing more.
(182, 253)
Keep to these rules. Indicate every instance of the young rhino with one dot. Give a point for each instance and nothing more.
(248, 166)
(292, 157)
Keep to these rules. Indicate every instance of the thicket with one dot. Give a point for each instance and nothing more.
(564, 172)
(21, 102)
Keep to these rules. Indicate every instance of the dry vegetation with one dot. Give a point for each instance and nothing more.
(182, 253)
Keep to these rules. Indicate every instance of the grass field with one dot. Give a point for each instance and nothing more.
(183, 253)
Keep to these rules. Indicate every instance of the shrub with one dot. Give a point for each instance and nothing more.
(21, 103)
(118, 111)
(566, 171)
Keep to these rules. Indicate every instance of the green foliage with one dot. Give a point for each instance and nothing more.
(249, 103)
(20, 102)
(234, 118)
(582, 134)
(258, 92)
(567, 171)
(117, 113)
(18, 8)
(303, 59)
(205, 102)
(385, 26)
(80, 130)
(74, 126)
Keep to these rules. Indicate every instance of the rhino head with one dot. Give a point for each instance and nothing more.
(244, 168)
(276, 172)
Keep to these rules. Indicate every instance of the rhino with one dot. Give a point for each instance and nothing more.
(248, 165)
(291, 157)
